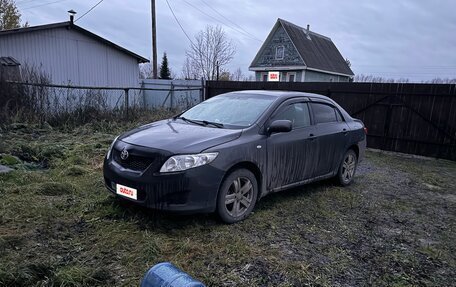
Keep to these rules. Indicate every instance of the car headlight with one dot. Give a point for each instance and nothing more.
(184, 162)
(110, 147)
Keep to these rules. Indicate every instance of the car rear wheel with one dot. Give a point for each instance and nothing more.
(237, 196)
(347, 168)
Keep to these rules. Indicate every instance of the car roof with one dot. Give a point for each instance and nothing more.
(284, 95)
(281, 94)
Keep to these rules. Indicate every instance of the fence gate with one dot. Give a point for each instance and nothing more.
(410, 118)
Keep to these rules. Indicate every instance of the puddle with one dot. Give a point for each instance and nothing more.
(9, 163)
(432, 187)
(5, 169)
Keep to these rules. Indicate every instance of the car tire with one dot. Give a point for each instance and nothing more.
(237, 196)
(347, 168)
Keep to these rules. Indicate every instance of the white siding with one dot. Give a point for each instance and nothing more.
(313, 76)
(69, 56)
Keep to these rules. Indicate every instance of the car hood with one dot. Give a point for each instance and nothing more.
(179, 137)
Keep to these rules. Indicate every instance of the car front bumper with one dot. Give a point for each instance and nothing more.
(192, 191)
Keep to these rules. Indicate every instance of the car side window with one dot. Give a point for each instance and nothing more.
(297, 113)
(324, 113)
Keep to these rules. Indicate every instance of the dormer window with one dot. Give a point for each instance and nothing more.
(280, 52)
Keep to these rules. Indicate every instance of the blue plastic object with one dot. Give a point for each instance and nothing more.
(167, 275)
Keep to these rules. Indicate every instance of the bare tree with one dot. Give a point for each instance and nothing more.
(250, 78)
(189, 71)
(145, 71)
(211, 51)
(237, 75)
(441, 81)
(225, 76)
(361, 78)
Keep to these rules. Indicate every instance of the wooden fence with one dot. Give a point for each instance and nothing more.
(410, 118)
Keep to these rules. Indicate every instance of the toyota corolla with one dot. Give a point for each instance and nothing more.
(229, 151)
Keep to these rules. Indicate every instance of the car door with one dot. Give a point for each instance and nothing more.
(331, 134)
(289, 155)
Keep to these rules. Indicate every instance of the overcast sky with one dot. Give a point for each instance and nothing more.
(415, 39)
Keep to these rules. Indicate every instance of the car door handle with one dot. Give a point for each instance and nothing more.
(312, 137)
(345, 131)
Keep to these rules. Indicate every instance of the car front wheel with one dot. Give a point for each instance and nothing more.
(237, 196)
(347, 168)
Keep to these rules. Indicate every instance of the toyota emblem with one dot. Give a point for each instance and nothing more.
(124, 154)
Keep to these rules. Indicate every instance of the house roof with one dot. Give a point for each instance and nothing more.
(8, 61)
(70, 25)
(317, 51)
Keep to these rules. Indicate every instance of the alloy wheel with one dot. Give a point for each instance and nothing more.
(239, 197)
(348, 167)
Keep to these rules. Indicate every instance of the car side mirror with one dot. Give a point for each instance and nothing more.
(280, 126)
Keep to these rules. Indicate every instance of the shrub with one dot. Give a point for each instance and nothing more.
(75, 170)
(7, 159)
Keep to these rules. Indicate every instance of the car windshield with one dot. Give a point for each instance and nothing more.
(235, 110)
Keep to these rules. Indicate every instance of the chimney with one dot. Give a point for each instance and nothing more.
(71, 13)
(308, 32)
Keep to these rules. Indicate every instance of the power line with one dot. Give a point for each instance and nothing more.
(41, 5)
(229, 20)
(196, 48)
(24, 1)
(93, 7)
(177, 20)
(223, 23)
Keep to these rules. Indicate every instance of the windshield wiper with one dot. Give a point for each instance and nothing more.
(217, 125)
(200, 122)
(190, 121)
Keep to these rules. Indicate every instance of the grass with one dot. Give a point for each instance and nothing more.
(395, 226)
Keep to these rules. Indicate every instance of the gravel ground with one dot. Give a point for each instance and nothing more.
(395, 226)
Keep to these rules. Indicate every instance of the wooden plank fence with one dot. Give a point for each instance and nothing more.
(409, 118)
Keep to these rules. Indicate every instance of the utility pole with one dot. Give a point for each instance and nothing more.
(154, 41)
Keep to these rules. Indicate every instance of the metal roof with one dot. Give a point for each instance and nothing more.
(70, 25)
(317, 51)
(8, 61)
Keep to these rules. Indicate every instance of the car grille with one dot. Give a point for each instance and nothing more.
(133, 162)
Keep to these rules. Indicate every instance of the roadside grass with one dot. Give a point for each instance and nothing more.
(395, 226)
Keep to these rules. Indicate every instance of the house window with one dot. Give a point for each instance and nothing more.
(280, 52)
(291, 77)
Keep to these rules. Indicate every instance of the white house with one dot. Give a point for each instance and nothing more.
(293, 54)
(72, 55)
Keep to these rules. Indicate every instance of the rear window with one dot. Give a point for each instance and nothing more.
(324, 113)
